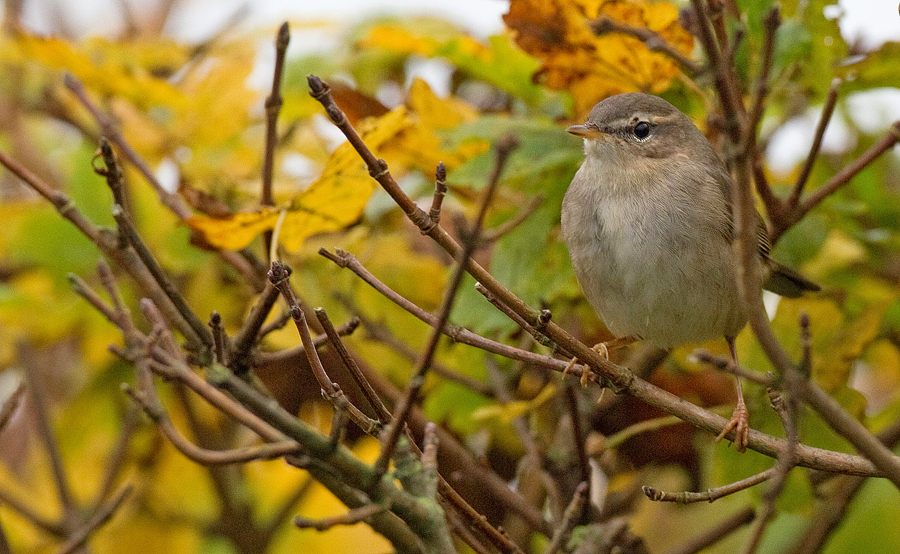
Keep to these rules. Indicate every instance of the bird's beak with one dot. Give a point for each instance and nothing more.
(586, 131)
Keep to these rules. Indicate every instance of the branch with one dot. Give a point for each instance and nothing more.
(383, 414)
(402, 410)
(458, 334)
(824, 119)
(380, 333)
(571, 518)
(716, 533)
(278, 275)
(711, 494)
(77, 539)
(620, 379)
(200, 334)
(273, 108)
(249, 333)
(651, 39)
(204, 456)
(10, 404)
(172, 201)
(350, 518)
(890, 139)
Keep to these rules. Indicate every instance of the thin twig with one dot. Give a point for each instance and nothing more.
(278, 275)
(201, 334)
(440, 190)
(458, 334)
(10, 404)
(26, 512)
(710, 495)
(538, 337)
(716, 533)
(725, 85)
(82, 289)
(651, 39)
(286, 507)
(495, 233)
(381, 411)
(273, 107)
(824, 119)
(571, 517)
(109, 129)
(401, 412)
(843, 177)
(77, 539)
(851, 429)
(263, 358)
(41, 411)
(118, 456)
(249, 331)
(352, 517)
(219, 338)
(578, 435)
(786, 409)
(172, 201)
(380, 333)
(830, 515)
(519, 423)
(173, 366)
(205, 456)
(771, 23)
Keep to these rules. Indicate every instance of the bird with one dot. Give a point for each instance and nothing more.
(648, 223)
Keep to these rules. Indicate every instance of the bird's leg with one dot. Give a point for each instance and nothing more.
(740, 418)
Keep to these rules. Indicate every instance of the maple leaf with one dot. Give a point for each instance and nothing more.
(594, 67)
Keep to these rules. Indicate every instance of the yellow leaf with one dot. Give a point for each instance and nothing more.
(511, 410)
(103, 66)
(437, 113)
(235, 231)
(839, 251)
(594, 67)
(338, 196)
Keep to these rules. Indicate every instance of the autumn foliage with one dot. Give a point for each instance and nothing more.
(164, 383)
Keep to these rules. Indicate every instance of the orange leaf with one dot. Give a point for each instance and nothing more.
(590, 67)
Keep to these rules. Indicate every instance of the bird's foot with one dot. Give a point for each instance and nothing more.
(740, 423)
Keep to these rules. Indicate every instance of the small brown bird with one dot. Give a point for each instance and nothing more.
(648, 224)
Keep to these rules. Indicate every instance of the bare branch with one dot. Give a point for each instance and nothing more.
(711, 494)
(273, 107)
(651, 39)
(350, 518)
(364, 385)
(571, 517)
(824, 119)
(278, 275)
(77, 539)
(203, 456)
(716, 533)
(401, 412)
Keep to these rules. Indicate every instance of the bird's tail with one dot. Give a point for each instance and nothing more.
(788, 282)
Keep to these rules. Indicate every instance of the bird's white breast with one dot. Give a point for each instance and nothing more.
(650, 261)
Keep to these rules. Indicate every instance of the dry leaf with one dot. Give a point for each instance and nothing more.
(592, 68)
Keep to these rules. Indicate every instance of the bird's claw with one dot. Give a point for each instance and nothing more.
(602, 349)
(740, 423)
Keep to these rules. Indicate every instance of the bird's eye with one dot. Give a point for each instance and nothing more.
(641, 130)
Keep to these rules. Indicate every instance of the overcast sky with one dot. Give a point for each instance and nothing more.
(874, 20)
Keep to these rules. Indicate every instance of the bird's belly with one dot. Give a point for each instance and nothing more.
(661, 287)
